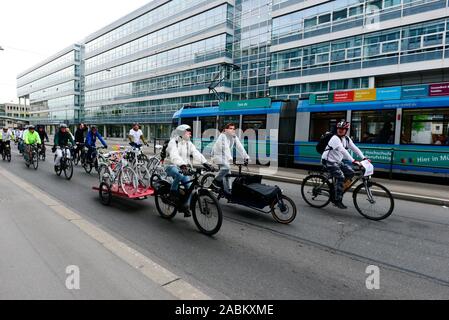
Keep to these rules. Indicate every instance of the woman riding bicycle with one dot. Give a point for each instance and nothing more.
(333, 159)
(179, 150)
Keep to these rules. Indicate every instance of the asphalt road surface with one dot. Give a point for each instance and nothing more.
(323, 254)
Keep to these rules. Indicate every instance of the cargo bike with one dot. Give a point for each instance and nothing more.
(249, 191)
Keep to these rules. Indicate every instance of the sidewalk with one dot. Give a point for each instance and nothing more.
(40, 238)
(401, 189)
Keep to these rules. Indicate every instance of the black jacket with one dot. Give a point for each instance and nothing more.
(79, 135)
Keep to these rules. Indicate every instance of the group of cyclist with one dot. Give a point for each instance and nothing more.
(180, 149)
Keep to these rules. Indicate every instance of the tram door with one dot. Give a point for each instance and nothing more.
(286, 138)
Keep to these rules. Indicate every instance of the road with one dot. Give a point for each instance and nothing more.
(323, 254)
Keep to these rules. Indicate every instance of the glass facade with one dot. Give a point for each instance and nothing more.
(151, 64)
(54, 89)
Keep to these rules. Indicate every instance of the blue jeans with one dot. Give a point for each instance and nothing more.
(225, 169)
(173, 171)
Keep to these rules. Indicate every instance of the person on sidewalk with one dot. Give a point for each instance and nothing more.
(179, 151)
(136, 137)
(336, 151)
(61, 140)
(222, 152)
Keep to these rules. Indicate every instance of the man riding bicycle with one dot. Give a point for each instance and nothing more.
(62, 139)
(333, 159)
(6, 136)
(30, 138)
(136, 137)
(91, 140)
(179, 150)
(222, 156)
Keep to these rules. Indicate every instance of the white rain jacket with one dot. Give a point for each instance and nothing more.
(179, 152)
(222, 149)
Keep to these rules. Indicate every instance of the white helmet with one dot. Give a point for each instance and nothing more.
(181, 130)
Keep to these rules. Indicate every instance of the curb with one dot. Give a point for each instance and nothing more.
(396, 195)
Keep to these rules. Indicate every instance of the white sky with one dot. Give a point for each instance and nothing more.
(32, 30)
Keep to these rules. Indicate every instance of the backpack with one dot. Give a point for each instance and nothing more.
(324, 142)
(164, 150)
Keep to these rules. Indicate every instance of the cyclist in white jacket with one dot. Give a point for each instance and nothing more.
(179, 151)
(336, 151)
(222, 155)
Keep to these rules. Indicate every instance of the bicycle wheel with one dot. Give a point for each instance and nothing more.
(87, 167)
(207, 213)
(105, 174)
(284, 211)
(68, 169)
(3, 155)
(35, 160)
(8, 156)
(376, 203)
(128, 181)
(207, 179)
(105, 194)
(143, 176)
(316, 191)
(165, 210)
(152, 164)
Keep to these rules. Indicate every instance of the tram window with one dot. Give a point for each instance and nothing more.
(425, 126)
(208, 123)
(374, 126)
(256, 122)
(223, 121)
(322, 122)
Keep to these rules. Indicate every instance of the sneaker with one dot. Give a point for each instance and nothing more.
(340, 205)
(186, 211)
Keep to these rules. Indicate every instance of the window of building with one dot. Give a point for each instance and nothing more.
(425, 126)
(340, 14)
(373, 126)
(322, 122)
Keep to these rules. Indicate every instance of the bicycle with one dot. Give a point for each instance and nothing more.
(248, 190)
(206, 210)
(33, 158)
(66, 164)
(96, 159)
(42, 152)
(78, 155)
(6, 151)
(119, 172)
(137, 163)
(372, 200)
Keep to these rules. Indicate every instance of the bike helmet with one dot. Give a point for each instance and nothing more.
(182, 129)
(31, 127)
(63, 125)
(93, 127)
(343, 124)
